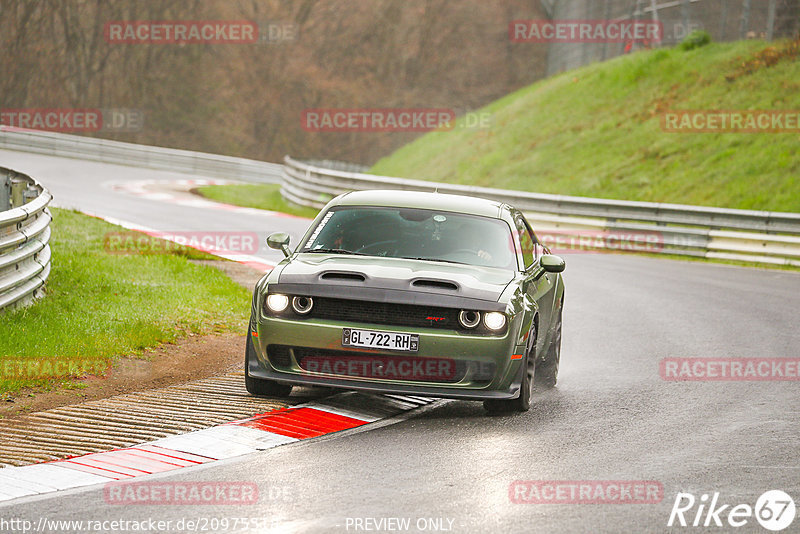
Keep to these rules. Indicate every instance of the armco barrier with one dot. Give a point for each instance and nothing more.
(144, 156)
(24, 238)
(744, 235)
(719, 233)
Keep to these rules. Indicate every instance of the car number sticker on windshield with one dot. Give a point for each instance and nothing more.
(371, 339)
(319, 228)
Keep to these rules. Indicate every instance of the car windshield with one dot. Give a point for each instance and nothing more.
(416, 234)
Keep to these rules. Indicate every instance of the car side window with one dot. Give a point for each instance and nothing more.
(526, 241)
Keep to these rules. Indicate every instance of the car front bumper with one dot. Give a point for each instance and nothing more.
(478, 367)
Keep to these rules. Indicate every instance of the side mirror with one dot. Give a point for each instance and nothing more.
(280, 241)
(552, 264)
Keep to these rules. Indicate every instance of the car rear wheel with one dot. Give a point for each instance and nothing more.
(259, 386)
(547, 370)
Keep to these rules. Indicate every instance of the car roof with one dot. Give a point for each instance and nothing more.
(423, 200)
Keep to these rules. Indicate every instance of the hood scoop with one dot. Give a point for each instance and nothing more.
(333, 276)
(424, 283)
(389, 279)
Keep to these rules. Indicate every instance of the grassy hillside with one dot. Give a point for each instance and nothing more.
(597, 132)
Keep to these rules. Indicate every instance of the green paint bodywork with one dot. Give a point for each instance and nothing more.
(529, 298)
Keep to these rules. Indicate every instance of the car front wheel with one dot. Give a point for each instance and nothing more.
(547, 370)
(523, 402)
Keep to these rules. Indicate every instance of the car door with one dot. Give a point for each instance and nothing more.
(539, 287)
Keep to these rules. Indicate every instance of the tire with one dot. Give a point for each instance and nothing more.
(547, 370)
(523, 402)
(258, 386)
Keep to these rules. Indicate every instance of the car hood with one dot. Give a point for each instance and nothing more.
(351, 273)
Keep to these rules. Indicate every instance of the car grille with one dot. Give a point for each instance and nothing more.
(279, 356)
(304, 356)
(312, 359)
(384, 313)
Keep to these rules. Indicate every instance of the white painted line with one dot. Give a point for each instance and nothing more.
(52, 475)
(7, 496)
(245, 259)
(341, 411)
(203, 445)
(193, 202)
(224, 441)
(11, 481)
(157, 196)
(251, 437)
(9, 492)
(140, 189)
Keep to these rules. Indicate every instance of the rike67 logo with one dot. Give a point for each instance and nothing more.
(774, 510)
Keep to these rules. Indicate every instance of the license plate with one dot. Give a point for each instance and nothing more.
(371, 339)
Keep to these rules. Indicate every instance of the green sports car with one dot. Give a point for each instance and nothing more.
(410, 293)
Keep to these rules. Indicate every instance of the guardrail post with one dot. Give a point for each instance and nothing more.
(17, 190)
(29, 194)
(723, 20)
(771, 21)
(685, 8)
(5, 192)
(745, 20)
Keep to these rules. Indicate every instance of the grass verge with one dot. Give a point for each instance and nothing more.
(101, 305)
(260, 196)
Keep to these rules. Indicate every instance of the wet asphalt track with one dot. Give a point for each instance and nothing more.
(610, 418)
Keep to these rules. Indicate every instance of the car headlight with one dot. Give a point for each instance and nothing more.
(494, 320)
(302, 305)
(277, 302)
(469, 319)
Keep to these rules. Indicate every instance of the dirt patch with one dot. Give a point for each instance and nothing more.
(186, 359)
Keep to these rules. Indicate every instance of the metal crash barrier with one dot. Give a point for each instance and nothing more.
(24, 238)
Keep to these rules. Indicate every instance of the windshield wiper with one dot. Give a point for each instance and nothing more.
(334, 251)
(434, 259)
